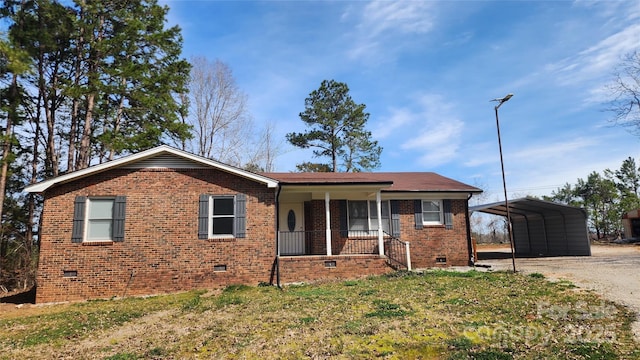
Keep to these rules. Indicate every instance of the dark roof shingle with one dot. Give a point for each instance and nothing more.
(400, 181)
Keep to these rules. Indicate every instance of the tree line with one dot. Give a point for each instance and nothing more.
(81, 84)
(84, 82)
(606, 197)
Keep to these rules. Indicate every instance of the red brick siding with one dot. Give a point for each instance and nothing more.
(426, 244)
(433, 241)
(161, 247)
(313, 268)
(317, 225)
(162, 253)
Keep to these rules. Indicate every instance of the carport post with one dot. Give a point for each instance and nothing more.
(504, 183)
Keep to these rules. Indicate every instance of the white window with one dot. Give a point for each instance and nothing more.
(363, 218)
(99, 219)
(222, 216)
(432, 212)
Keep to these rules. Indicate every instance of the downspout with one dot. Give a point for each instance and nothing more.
(472, 260)
(278, 236)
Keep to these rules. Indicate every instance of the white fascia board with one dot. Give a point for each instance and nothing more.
(430, 195)
(44, 185)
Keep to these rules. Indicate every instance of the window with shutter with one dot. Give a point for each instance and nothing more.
(363, 218)
(98, 219)
(222, 216)
(433, 212)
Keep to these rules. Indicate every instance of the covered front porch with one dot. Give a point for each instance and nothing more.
(330, 224)
(344, 243)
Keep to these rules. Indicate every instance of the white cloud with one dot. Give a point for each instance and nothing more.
(435, 135)
(481, 154)
(597, 60)
(543, 167)
(549, 150)
(439, 142)
(396, 16)
(429, 126)
(398, 119)
(382, 27)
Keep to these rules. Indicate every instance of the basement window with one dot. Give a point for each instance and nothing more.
(219, 268)
(441, 260)
(330, 264)
(69, 273)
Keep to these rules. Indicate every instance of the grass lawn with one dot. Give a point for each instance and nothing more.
(435, 315)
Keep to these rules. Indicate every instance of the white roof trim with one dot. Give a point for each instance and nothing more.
(163, 149)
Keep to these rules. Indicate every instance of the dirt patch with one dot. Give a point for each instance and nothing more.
(611, 271)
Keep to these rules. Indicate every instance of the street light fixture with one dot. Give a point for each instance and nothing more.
(504, 183)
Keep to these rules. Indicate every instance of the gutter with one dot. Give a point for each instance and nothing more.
(277, 259)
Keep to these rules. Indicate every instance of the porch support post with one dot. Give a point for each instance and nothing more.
(328, 223)
(380, 230)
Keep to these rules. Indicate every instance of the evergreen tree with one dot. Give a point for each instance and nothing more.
(107, 76)
(133, 70)
(336, 131)
(104, 80)
(627, 181)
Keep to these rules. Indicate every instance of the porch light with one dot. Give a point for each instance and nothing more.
(504, 183)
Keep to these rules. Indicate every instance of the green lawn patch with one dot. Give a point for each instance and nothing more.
(434, 315)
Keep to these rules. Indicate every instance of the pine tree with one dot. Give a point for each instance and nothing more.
(336, 131)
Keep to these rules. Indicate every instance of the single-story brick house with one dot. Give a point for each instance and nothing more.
(165, 220)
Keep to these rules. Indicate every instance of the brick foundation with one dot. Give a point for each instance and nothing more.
(315, 268)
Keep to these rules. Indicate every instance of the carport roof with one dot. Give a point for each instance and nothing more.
(526, 206)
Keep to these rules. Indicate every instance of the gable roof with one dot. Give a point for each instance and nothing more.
(167, 156)
(157, 152)
(396, 181)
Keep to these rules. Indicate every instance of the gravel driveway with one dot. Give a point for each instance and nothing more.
(612, 271)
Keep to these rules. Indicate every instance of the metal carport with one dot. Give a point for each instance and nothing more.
(543, 228)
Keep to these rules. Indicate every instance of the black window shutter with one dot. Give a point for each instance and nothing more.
(395, 218)
(77, 232)
(241, 216)
(203, 217)
(344, 226)
(119, 207)
(417, 210)
(448, 215)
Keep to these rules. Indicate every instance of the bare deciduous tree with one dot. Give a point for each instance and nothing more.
(219, 116)
(223, 128)
(266, 150)
(625, 91)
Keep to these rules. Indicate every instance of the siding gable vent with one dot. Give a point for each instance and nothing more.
(164, 161)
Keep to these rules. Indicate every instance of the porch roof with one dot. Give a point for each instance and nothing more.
(390, 181)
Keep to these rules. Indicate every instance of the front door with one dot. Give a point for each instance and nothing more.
(292, 235)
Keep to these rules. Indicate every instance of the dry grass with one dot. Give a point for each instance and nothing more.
(435, 315)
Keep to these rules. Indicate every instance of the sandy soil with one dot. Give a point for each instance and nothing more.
(612, 271)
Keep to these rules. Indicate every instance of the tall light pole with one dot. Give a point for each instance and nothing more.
(504, 183)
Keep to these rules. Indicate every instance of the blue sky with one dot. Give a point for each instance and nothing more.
(426, 71)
